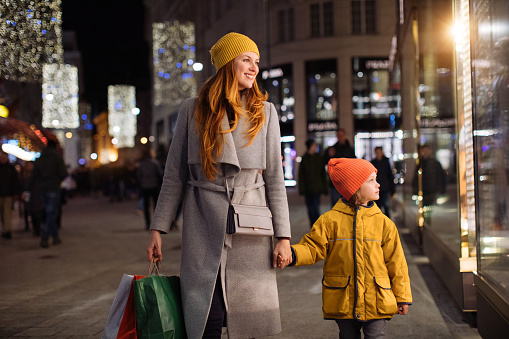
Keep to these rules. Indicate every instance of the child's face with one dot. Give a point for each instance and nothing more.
(369, 190)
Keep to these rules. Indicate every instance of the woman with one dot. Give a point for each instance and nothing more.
(229, 133)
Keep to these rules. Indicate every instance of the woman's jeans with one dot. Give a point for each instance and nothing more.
(351, 329)
(217, 314)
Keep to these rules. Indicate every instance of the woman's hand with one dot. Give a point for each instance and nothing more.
(154, 247)
(283, 252)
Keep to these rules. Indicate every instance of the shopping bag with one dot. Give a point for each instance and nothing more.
(120, 322)
(158, 307)
(127, 329)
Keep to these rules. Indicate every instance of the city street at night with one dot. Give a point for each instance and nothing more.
(66, 291)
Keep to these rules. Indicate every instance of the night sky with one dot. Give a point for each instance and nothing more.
(110, 39)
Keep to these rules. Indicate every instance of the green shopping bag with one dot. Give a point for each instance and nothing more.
(158, 308)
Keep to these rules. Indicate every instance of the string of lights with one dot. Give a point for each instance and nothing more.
(30, 35)
(173, 53)
(122, 112)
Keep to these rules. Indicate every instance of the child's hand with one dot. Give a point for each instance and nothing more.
(402, 309)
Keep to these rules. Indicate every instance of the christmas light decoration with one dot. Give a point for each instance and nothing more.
(174, 53)
(60, 96)
(30, 35)
(121, 118)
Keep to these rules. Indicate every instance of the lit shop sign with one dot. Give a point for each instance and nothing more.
(272, 73)
(438, 123)
(320, 126)
(377, 64)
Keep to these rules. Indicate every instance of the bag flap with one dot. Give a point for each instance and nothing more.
(253, 216)
(262, 211)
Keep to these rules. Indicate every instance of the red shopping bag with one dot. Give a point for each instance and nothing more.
(127, 329)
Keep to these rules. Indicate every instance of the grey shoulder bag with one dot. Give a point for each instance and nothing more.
(247, 219)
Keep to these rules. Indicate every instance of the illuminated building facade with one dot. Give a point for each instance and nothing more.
(310, 53)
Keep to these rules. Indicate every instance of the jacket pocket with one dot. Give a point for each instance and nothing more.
(385, 299)
(336, 295)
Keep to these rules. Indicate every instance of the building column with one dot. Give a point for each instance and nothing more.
(300, 113)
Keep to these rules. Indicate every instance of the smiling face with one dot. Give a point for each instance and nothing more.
(369, 190)
(246, 68)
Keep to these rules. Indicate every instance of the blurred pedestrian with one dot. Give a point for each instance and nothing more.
(32, 200)
(227, 144)
(433, 178)
(150, 178)
(49, 171)
(9, 189)
(341, 149)
(385, 178)
(312, 180)
(365, 274)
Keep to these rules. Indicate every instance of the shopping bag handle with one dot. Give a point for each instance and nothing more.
(153, 267)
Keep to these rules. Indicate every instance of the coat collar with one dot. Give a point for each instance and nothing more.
(369, 210)
(232, 140)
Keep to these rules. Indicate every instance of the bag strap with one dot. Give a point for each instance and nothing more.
(226, 184)
(227, 191)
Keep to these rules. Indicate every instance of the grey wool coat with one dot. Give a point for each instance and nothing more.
(245, 263)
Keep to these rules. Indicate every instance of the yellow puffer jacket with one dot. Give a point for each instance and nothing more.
(365, 273)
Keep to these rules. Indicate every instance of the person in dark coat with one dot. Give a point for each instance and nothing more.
(385, 178)
(340, 149)
(49, 172)
(312, 180)
(33, 203)
(150, 178)
(9, 189)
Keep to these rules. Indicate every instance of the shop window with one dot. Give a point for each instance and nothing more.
(490, 52)
(278, 82)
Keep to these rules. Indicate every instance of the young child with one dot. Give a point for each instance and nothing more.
(365, 274)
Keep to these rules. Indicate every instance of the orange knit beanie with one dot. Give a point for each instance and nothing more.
(348, 174)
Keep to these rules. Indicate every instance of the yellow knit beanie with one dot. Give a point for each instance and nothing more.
(229, 47)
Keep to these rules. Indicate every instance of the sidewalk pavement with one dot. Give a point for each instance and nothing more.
(66, 291)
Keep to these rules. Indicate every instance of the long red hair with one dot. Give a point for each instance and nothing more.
(218, 96)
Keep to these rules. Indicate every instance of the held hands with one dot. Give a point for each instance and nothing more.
(154, 247)
(402, 309)
(282, 255)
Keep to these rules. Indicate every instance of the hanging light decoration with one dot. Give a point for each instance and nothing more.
(60, 96)
(174, 56)
(122, 115)
(30, 35)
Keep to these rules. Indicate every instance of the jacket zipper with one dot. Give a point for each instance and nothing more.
(355, 261)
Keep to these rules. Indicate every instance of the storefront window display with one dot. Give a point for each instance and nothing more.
(322, 105)
(430, 186)
(490, 52)
(277, 81)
